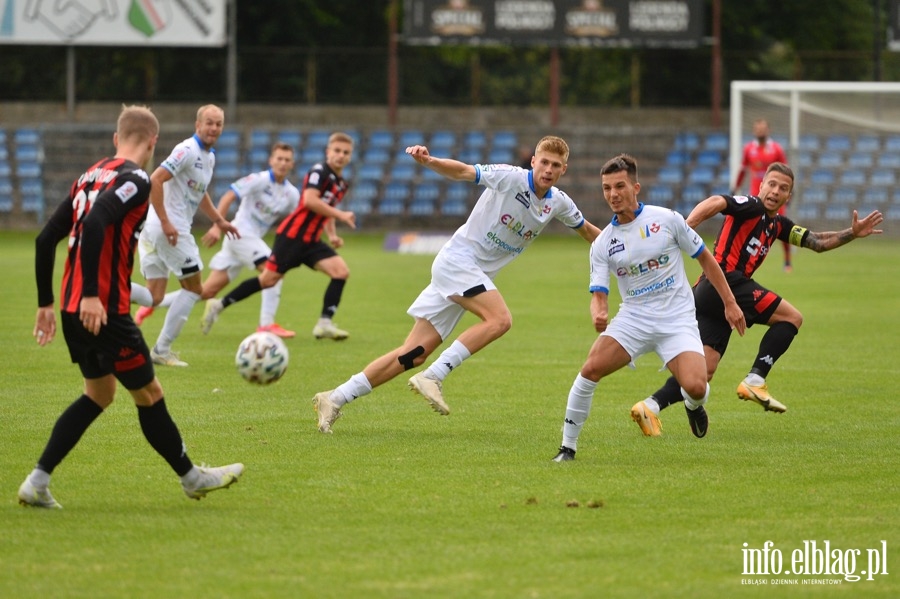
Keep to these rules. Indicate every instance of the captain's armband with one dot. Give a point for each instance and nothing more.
(798, 234)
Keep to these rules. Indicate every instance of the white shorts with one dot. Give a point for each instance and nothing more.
(237, 254)
(159, 258)
(667, 337)
(451, 276)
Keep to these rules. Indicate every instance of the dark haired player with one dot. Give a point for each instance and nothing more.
(752, 224)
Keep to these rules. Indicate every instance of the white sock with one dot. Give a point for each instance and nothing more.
(271, 297)
(168, 299)
(39, 478)
(651, 403)
(175, 318)
(356, 386)
(691, 403)
(191, 477)
(577, 409)
(141, 296)
(451, 357)
(754, 380)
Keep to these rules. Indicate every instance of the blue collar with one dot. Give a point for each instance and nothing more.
(615, 218)
(549, 193)
(203, 145)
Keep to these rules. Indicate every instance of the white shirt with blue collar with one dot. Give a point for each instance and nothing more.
(191, 165)
(645, 257)
(508, 216)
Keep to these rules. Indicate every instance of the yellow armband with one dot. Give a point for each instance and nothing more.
(798, 234)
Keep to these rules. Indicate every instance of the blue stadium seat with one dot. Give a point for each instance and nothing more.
(260, 138)
(872, 198)
(716, 141)
(670, 175)
(291, 137)
(709, 158)
(5, 169)
(397, 190)
(318, 138)
(381, 139)
(868, 143)
(454, 207)
(501, 156)
(846, 196)
(390, 207)
(31, 191)
(26, 136)
(693, 194)
(426, 191)
(403, 172)
(28, 153)
(359, 207)
(220, 186)
(6, 196)
(884, 177)
(889, 160)
(809, 142)
(702, 175)
(855, 178)
(230, 138)
(687, 141)
(442, 141)
(831, 159)
(4, 153)
(227, 156)
(661, 195)
(807, 212)
(258, 159)
(364, 191)
(822, 176)
(411, 137)
(841, 213)
(459, 191)
(678, 158)
(370, 172)
(892, 144)
(838, 143)
(312, 154)
(430, 175)
(805, 159)
(228, 172)
(505, 139)
(376, 156)
(420, 207)
(814, 195)
(475, 139)
(861, 160)
(28, 170)
(470, 156)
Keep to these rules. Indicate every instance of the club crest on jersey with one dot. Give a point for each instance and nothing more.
(648, 230)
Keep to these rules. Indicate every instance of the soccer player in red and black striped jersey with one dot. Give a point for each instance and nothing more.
(751, 226)
(101, 218)
(298, 240)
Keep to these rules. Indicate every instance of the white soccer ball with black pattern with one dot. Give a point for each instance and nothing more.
(262, 358)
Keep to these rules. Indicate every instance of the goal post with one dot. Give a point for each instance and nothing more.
(804, 113)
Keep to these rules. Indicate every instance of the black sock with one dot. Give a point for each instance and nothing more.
(668, 394)
(772, 346)
(242, 291)
(163, 436)
(69, 428)
(332, 297)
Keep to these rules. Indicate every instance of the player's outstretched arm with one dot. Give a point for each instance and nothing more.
(829, 240)
(446, 167)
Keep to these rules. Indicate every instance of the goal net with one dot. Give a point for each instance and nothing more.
(842, 141)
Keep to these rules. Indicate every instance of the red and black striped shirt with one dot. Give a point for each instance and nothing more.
(748, 233)
(303, 223)
(102, 217)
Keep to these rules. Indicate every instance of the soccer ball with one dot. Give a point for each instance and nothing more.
(262, 358)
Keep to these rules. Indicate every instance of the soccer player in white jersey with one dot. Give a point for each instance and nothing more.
(642, 248)
(265, 198)
(509, 215)
(166, 244)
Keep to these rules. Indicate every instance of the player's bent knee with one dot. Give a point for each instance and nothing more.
(412, 358)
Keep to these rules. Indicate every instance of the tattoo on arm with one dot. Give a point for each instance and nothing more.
(822, 242)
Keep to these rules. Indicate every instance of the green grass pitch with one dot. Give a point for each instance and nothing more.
(403, 503)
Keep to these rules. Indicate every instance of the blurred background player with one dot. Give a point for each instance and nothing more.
(758, 154)
(166, 245)
(265, 198)
(106, 207)
(298, 241)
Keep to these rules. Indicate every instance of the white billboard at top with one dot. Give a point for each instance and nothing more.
(113, 22)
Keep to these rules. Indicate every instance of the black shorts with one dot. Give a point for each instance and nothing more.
(290, 253)
(119, 350)
(757, 303)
